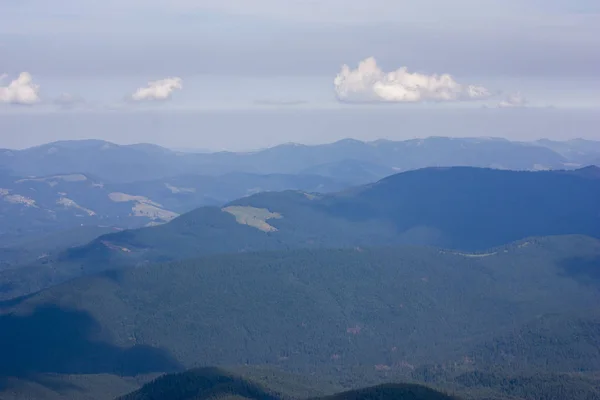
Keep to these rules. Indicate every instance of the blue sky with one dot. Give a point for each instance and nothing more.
(89, 57)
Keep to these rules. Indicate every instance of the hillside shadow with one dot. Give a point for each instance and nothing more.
(6, 287)
(55, 340)
(54, 383)
(585, 270)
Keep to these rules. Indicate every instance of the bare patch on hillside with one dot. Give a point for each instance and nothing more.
(477, 255)
(254, 217)
(311, 196)
(176, 190)
(143, 206)
(68, 203)
(115, 247)
(16, 198)
(469, 255)
(153, 212)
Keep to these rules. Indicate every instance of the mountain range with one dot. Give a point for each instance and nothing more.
(462, 269)
(61, 186)
(129, 163)
(452, 208)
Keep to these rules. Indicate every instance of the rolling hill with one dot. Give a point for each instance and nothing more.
(204, 383)
(213, 383)
(250, 383)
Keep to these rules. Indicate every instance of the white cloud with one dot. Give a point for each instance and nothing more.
(158, 90)
(513, 100)
(368, 83)
(20, 91)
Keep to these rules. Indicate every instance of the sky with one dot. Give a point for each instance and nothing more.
(238, 74)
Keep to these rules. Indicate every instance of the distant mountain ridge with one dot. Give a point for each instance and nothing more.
(127, 163)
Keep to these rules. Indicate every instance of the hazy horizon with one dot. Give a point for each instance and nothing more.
(223, 74)
(253, 129)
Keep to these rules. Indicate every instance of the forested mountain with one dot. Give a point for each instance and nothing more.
(390, 392)
(332, 307)
(32, 248)
(453, 207)
(444, 207)
(212, 383)
(443, 276)
(359, 315)
(261, 383)
(204, 383)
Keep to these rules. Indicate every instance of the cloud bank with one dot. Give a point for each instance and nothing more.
(158, 90)
(20, 91)
(513, 100)
(368, 83)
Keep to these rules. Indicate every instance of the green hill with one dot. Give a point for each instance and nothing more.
(392, 392)
(200, 384)
(214, 383)
(531, 386)
(388, 309)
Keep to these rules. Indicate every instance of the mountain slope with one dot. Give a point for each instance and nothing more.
(98, 158)
(198, 384)
(389, 309)
(392, 392)
(36, 205)
(32, 248)
(204, 383)
(577, 150)
(358, 172)
(459, 208)
(213, 383)
(464, 208)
